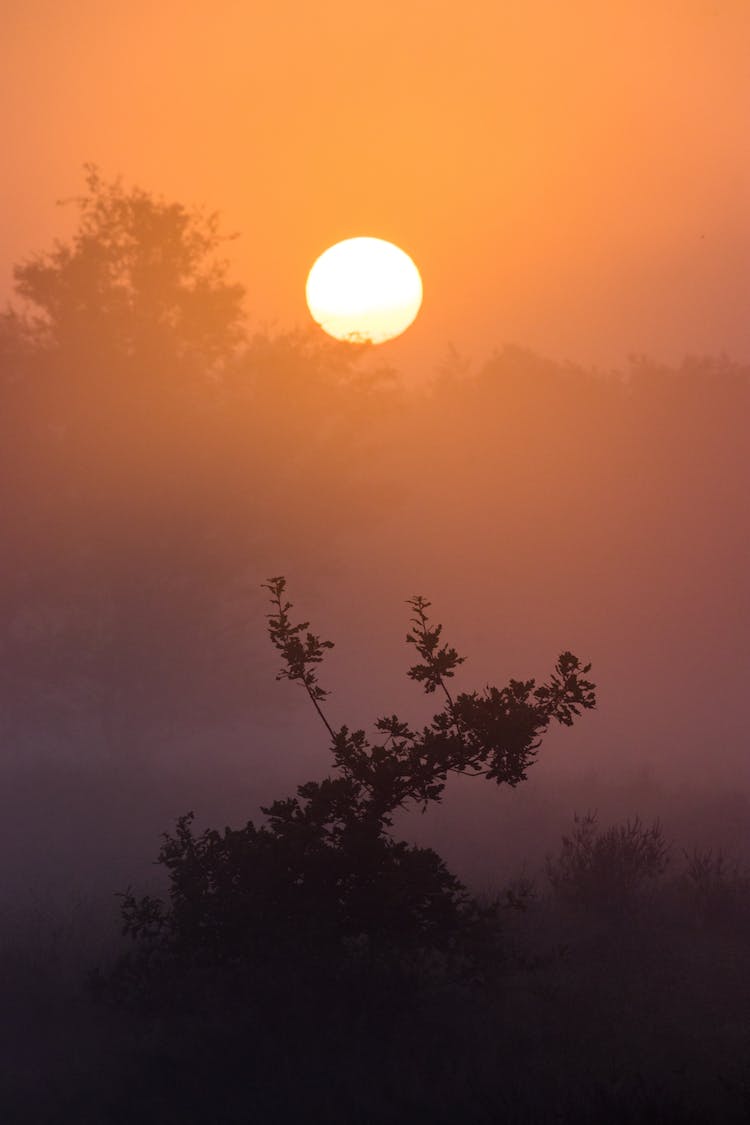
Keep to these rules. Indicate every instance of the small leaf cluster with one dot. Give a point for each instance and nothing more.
(440, 661)
(300, 649)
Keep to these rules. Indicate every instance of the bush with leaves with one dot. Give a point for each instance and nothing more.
(322, 882)
(608, 868)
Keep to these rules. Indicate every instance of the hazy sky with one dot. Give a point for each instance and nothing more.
(573, 177)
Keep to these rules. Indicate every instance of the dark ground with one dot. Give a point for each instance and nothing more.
(635, 1015)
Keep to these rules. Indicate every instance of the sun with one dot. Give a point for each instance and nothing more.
(364, 290)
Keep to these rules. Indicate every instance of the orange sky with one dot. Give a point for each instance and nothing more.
(572, 177)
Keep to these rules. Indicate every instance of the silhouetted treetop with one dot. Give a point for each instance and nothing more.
(140, 277)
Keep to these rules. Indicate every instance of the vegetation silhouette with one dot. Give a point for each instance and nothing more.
(608, 868)
(113, 336)
(140, 424)
(322, 882)
(157, 458)
(141, 278)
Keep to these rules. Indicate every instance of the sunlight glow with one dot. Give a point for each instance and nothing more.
(364, 290)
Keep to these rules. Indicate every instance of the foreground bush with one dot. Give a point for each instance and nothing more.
(321, 887)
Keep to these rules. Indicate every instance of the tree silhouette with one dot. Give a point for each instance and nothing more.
(140, 280)
(150, 444)
(106, 360)
(323, 879)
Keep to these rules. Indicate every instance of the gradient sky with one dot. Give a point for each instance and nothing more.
(571, 177)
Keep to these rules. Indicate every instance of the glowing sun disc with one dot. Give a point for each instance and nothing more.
(364, 290)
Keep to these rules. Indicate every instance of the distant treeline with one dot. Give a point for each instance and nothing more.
(159, 459)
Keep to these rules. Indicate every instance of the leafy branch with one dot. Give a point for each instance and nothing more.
(300, 653)
(495, 733)
(440, 662)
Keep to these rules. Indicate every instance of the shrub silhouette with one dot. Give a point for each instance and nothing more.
(322, 883)
(718, 886)
(607, 868)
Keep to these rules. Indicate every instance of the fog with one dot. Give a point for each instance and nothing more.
(161, 459)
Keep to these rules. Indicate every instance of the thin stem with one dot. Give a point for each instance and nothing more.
(316, 705)
(448, 695)
(452, 707)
